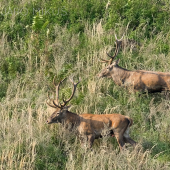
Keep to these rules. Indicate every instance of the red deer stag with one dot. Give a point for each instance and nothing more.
(139, 80)
(90, 126)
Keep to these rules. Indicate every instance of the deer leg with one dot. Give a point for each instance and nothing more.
(121, 135)
(120, 140)
(91, 140)
(132, 142)
(83, 140)
(129, 140)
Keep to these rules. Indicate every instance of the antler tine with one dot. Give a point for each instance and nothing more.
(59, 82)
(74, 89)
(56, 104)
(57, 90)
(115, 36)
(115, 54)
(119, 39)
(118, 43)
(109, 56)
(49, 103)
(103, 60)
(107, 61)
(75, 84)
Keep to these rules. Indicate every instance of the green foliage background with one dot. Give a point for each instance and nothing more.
(40, 39)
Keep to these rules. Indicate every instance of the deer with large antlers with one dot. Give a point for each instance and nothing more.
(139, 80)
(90, 126)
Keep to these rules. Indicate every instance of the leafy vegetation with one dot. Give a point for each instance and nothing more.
(41, 39)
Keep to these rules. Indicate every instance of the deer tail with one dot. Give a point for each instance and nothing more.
(130, 121)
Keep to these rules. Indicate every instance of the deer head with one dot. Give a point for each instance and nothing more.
(60, 113)
(106, 72)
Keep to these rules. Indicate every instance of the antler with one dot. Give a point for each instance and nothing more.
(48, 102)
(74, 89)
(118, 44)
(57, 89)
(56, 102)
(55, 105)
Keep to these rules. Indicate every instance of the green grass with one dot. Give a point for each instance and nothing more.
(34, 47)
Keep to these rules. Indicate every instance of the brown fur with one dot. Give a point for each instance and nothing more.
(91, 126)
(139, 80)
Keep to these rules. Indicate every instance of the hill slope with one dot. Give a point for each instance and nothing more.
(41, 39)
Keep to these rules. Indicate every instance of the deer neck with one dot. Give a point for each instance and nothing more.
(73, 118)
(120, 75)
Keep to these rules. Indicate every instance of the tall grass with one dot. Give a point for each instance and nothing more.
(30, 63)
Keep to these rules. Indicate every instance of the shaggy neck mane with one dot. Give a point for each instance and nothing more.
(121, 69)
(121, 75)
(73, 117)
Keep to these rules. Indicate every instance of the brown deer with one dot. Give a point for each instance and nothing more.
(90, 126)
(139, 80)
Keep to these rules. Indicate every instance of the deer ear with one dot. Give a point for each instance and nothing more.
(116, 62)
(111, 66)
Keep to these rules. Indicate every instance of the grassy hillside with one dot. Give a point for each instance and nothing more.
(41, 39)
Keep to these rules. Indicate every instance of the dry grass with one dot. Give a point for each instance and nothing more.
(27, 142)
